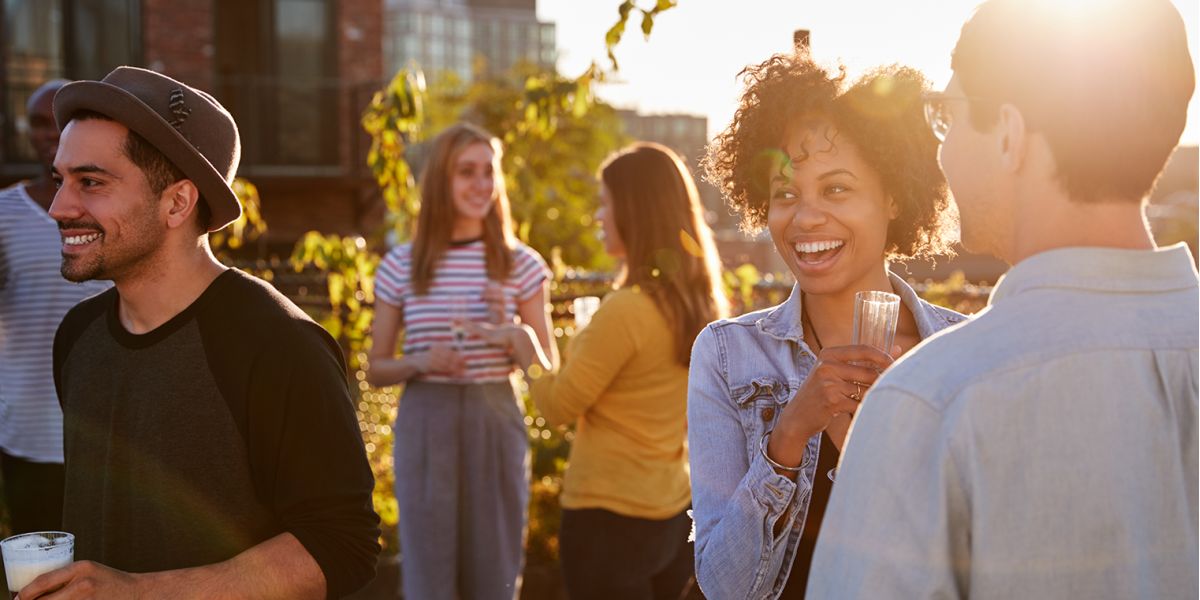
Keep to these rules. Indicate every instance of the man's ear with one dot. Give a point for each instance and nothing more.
(1012, 138)
(182, 202)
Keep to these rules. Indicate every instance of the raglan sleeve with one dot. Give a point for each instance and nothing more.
(309, 460)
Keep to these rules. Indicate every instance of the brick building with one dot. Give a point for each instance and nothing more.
(294, 73)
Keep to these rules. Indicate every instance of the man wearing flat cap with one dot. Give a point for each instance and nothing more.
(211, 446)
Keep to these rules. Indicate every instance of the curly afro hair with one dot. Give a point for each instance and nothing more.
(881, 114)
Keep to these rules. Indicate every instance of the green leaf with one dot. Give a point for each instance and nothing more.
(624, 9)
(647, 23)
(614, 34)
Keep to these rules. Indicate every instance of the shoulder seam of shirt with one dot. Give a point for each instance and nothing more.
(76, 322)
(738, 321)
(722, 356)
(1027, 361)
(893, 388)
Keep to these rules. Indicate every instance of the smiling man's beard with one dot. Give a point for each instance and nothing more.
(113, 259)
(77, 269)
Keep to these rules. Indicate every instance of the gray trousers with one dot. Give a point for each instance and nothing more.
(462, 483)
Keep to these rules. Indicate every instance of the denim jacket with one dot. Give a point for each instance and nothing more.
(744, 371)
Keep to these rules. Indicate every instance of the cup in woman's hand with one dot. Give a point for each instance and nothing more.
(584, 307)
(875, 317)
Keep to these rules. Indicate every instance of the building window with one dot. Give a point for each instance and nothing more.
(276, 72)
(100, 35)
(412, 51)
(307, 93)
(681, 127)
(48, 39)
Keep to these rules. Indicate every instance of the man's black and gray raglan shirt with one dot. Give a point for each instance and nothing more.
(226, 426)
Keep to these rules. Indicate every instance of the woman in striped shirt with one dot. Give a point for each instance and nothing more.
(462, 455)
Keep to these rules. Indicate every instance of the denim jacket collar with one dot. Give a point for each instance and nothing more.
(783, 321)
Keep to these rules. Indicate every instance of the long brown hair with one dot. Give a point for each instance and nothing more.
(669, 250)
(435, 222)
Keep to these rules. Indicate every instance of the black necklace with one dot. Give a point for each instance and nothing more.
(804, 320)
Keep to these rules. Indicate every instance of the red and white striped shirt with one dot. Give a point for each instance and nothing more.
(459, 278)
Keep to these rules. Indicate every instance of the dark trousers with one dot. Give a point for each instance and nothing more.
(605, 555)
(33, 493)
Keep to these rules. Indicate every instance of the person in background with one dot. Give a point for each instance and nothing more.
(1047, 448)
(211, 446)
(33, 299)
(845, 178)
(461, 447)
(626, 492)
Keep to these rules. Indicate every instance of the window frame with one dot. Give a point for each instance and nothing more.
(11, 160)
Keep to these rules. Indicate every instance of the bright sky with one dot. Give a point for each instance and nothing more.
(697, 48)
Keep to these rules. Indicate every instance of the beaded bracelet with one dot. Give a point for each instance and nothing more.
(762, 447)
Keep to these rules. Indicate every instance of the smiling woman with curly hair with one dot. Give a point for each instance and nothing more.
(845, 178)
(881, 115)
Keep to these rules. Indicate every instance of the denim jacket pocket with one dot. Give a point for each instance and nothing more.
(760, 403)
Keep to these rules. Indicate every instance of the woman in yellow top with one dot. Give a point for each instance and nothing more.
(624, 385)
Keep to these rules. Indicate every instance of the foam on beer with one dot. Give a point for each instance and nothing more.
(27, 557)
(31, 542)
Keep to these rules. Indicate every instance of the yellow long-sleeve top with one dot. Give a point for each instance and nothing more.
(627, 394)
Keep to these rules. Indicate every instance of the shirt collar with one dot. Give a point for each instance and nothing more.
(1100, 269)
(783, 321)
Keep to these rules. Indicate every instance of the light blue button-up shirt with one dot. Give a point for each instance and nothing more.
(1045, 449)
(744, 371)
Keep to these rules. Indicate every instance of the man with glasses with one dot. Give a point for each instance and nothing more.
(1047, 448)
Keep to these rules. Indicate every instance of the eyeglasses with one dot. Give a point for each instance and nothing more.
(937, 114)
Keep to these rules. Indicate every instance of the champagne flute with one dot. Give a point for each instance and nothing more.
(875, 317)
(458, 314)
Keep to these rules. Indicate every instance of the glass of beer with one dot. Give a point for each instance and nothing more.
(29, 555)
